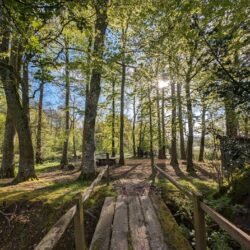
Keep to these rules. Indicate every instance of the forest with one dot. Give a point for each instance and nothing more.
(140, 108)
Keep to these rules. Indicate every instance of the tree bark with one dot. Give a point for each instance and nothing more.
(25, 87)
(133, 127)
(190, 167)
(174, 160)
(64, 159)
(231, 117)
(7, 166)
(180, 117)
(121, 159)
(203, 132)
(151, 133)
(18, 114)
(139, 149)
(113, 119)
(39, 124)
(163, 124)
(73, 130)
(246, 126)
(160, 144)
(92, 98)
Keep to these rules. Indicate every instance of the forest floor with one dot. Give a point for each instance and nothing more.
(29, 209)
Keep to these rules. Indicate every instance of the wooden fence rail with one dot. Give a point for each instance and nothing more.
(200, 209)
(55, 233)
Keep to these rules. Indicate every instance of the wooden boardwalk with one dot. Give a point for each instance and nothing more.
(128, 222)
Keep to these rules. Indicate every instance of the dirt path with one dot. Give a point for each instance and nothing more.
(132, 179)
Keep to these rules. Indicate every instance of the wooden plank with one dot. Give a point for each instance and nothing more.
(101, 238)
(153, 225)
(173, 181)
(138, 231)
(86, 194)
(119, 239)
(56, 232)
(80, 242)
(236, 233)
(199, 224)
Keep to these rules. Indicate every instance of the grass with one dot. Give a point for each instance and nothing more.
(46, 188)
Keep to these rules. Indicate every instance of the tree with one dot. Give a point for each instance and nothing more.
(39, 122)
(92, 98)
(64, 159)
(180, 121)
(173, 161)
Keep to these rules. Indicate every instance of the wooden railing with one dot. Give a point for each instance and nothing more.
(55, 233)
(200, 209)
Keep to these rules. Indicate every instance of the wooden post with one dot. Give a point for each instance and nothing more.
(80, 242)
(107, 157)
(199, 223)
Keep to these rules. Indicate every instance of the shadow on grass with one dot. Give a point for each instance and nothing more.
(54, 193)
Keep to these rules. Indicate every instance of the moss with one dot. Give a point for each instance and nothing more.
(240, 186)
(172, 232)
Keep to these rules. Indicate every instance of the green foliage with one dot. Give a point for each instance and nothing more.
(239, 190)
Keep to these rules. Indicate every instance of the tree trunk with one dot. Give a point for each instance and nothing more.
(160, 144)
(139, 149)
(180, 117)
(190, 167)
(73, 129)
(25, 87)
(17, 112)
(133, 128)
(88, 72)
(121, 159)
(113, 119)
(203, 132)
(231, 117)
(246, 126)
(39, 125)
(173, 161)
(7, 166)
(88, 166)
(64, 160)
(151, 133)
(163, 124)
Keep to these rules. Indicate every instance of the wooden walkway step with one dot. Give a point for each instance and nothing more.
(129, 222)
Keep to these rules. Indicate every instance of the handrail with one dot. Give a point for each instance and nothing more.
(199, 218)
(239, 235)
(55, 233)
(171, 179)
